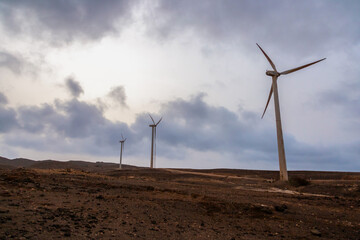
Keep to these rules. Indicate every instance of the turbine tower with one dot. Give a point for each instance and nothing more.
(280, 140)
(153, 140)
(121, 149)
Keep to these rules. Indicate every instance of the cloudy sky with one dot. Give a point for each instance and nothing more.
(75, 74)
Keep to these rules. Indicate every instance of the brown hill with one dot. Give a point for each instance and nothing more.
(145, 203)
(17, 162)
(6, 163)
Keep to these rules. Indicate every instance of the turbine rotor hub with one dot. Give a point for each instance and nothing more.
(272, 73)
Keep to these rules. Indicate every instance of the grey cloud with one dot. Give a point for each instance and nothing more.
(80, 119)
(346, 97)
(34, 119)
(118, 95)
(196, 125)
(10, 61)
(343, 101)
(7, 119)
(3, 99)
(72, 126)
(74, 87)
(66, 20)
(68, 119)
(189, 125)
(304, 27)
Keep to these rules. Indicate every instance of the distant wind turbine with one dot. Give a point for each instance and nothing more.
(121, 149)
(275, 74)
(153, 140)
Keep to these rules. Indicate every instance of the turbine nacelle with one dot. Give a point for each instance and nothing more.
(155, 124)
(272, 73)
(123, 139)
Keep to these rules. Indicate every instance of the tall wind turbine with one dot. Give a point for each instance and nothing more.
(153, 140)
(275, 74)
(121, 149)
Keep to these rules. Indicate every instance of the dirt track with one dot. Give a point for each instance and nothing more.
(174, 204)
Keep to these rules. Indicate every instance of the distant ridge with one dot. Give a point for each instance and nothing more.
(17, 162)
(6, 163)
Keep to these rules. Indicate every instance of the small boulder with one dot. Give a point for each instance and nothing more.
(315, 232)
(281, 208)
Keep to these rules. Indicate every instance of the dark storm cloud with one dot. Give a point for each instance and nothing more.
(7, 119)
(74, 87)
(79, 119)
(196, 125)
(118, 95)
(344, 101)
(79, 127)
(3, 99)
(304, 27)
(73, 126)
(191, 124)
(346, 97)
(66, 20)
(7, 115)
(10, 61)
(34, 119)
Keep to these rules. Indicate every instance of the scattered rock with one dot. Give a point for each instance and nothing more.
(100, 197)
(281, 208)
(262, 208)
(154, 229)
(315, 232)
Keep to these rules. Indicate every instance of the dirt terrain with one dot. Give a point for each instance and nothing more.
(79, 200)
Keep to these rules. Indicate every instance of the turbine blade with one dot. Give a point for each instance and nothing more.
(122, 137)
(268, 58)
(301, 67)
(159, 121)
(125, 139)
(152, 119)
(267, 104)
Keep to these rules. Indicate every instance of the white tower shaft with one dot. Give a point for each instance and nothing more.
(121, 151)
(152, 145)
(280, 139)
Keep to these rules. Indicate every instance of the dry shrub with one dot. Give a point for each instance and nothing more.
(298, 182)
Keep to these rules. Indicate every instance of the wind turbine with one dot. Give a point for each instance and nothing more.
(153, 140)
(280, 140)
(121, 149)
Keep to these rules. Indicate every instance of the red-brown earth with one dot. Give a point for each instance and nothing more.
(80, 200)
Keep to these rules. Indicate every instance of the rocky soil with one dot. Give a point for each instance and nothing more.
(141, 203)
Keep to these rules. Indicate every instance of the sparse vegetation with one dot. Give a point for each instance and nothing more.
(298, 182)
(79, 200)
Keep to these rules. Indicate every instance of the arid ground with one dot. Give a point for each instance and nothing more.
(80, 200)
